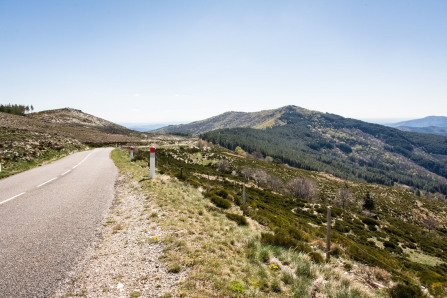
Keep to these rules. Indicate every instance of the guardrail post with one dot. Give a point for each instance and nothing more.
(152, 162)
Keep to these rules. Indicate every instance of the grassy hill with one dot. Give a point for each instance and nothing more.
(386, 249)
(260, 120)
(347, 148)
(29, 140)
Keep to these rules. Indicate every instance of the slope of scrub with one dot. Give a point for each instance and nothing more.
(393, 236)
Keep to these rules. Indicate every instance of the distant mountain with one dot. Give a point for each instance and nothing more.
(142, 127)
(430, 121)
(259, 120)
(436, 125)
(347, 148)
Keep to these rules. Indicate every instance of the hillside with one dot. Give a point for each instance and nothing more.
(434, 130)
(259, 120)
(346, 148)
(275, 248)
(26, 141)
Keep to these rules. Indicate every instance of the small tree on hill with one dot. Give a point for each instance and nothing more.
(344, 198)
(430, 223)
(223, 165)
(369, 203)
(302, 188)
(239, 151)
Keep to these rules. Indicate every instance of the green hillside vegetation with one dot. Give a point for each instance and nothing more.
(29, 140)
(259, 120)
(435, 130)
(401, 238)
(347, 148)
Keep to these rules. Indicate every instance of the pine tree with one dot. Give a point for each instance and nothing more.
(369, 202)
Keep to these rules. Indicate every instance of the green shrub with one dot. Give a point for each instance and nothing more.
(221, 193)
(237, 287)
(283, 240)
(303, 270)
(347, 266)
(336, 251)
(174, 268)
(239, 219)
(287, 278)
(264, 256)
(316, 257)
(389, 244)
(299, 235)
(405, 291)
(276, 287)
(219, 202)
(369, 221)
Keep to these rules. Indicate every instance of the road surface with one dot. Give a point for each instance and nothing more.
(49, 216)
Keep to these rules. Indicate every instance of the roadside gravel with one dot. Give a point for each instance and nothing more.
(125, 262)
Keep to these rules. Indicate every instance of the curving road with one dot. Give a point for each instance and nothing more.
(48, 217)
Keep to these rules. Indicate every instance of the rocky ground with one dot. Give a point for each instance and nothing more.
(125, 262)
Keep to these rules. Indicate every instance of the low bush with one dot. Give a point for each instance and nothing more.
(283, 240)
(369, 221)
(405, 291)
(239, 219)
(316, 257)
(299, 235)
(219, 202)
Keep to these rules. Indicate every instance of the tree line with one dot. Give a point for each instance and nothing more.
(16, 109)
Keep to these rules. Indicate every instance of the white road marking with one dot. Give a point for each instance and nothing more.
(12, 198)
(66, 172)
(46, 182)
(82, 161)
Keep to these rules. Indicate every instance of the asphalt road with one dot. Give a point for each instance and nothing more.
(49, 216)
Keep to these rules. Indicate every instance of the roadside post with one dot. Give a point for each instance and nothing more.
(119, 146)
(152, 163)
(131, 153)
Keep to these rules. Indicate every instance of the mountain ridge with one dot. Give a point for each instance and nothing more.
(429, 121)
(347, 148)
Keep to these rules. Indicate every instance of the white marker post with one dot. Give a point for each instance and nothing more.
(131, 153)
(152, 163)
(119, 146)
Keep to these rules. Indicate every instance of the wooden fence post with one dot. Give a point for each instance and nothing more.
(244, 210)
(208, 189)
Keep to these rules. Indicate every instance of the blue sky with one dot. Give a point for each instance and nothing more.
(179, 61)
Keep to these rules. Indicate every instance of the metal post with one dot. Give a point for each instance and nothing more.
(131, 153)
(152, 163)
(328, 234)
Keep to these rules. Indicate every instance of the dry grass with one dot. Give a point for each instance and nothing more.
(223, 259)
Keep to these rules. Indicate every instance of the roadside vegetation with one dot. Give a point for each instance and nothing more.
(384, 240)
